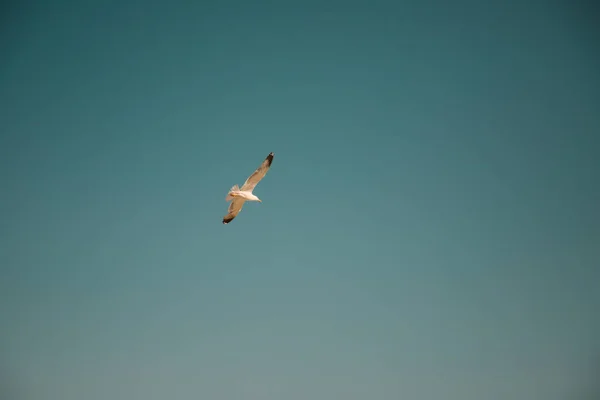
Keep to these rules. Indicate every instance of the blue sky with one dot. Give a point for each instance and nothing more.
(429, 226)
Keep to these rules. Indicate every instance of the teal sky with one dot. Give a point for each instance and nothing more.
(429, 228)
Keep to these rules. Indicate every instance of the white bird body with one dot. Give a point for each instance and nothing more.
(244, 194)
(238, 196)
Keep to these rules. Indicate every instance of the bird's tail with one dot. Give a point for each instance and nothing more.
(234, 188)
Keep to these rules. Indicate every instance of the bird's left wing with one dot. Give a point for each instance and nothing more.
(234, 209)
(260, 173)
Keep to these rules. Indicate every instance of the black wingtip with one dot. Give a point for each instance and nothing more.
(227, 220)
(270, 158)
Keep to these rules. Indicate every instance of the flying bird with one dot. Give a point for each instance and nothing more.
(239, 196)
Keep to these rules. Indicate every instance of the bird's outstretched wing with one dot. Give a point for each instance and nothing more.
(234, 209)
(260, 173)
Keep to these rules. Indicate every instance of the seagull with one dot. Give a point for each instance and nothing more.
(240, 196)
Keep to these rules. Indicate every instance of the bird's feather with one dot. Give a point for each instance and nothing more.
(257, 175)
(234, 209)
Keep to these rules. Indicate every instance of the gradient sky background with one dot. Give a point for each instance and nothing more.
(429, 227)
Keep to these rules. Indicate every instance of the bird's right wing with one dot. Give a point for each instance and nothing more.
(257, 175)
(234, 209)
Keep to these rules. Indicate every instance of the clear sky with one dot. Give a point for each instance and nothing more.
(429, 229)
